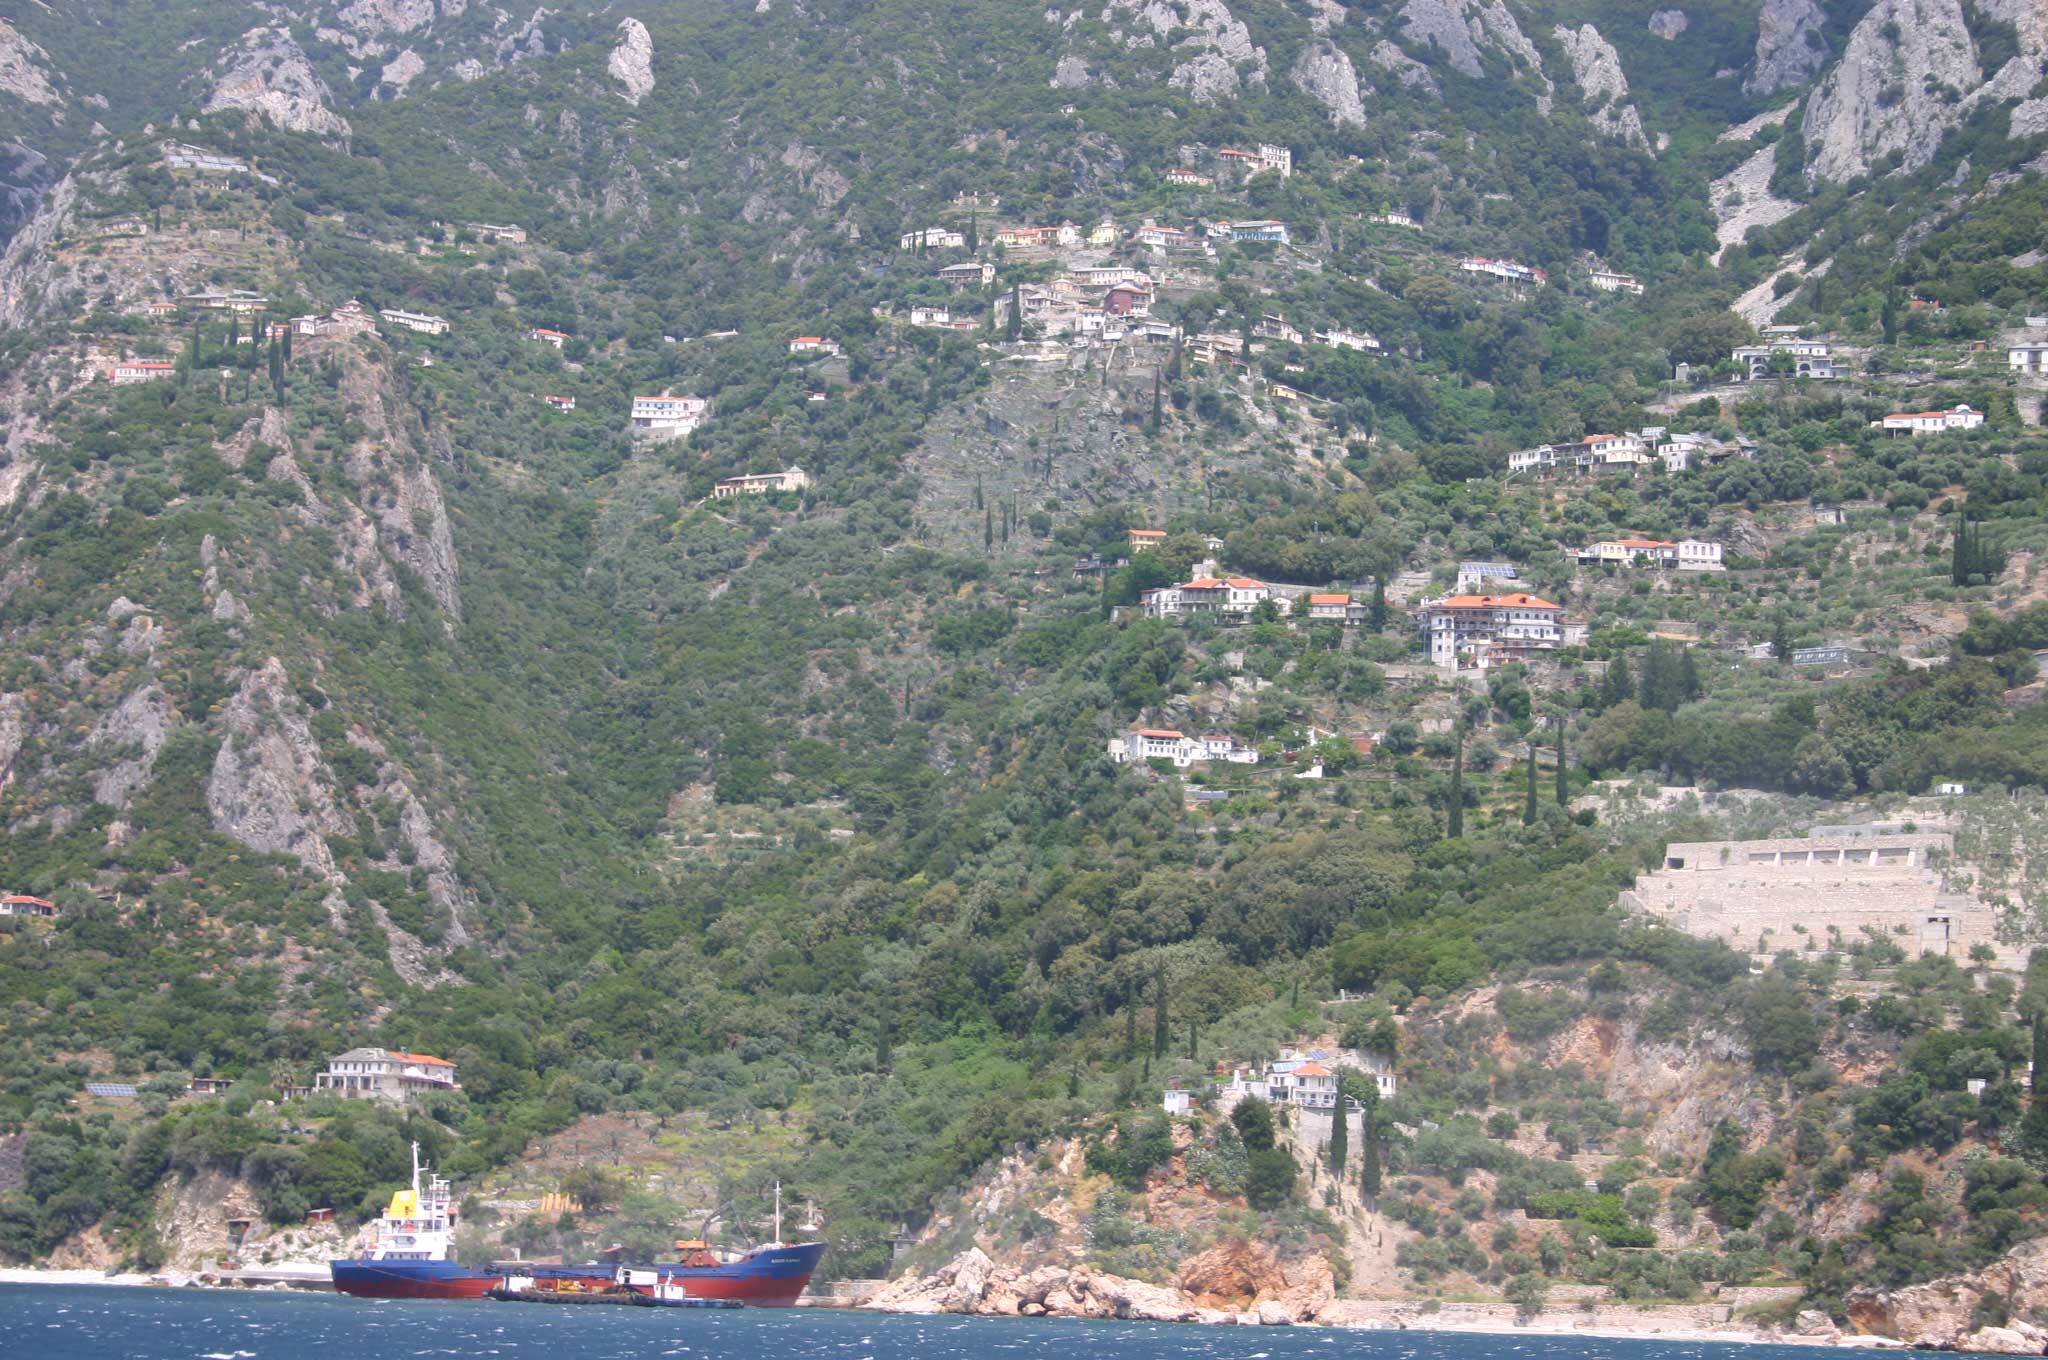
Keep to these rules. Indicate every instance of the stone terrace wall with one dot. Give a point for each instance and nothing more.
(1818, 893)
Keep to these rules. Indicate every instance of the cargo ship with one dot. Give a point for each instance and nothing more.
(768, 1276)
(411, 1258)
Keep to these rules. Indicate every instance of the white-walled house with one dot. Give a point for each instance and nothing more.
(1931, 422)
(667, 416)
(761, 483)
(1488, 630)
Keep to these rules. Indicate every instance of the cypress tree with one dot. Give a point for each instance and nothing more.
(1379, 603)
(1160, 1031)
(1688, 676)
(973, 230)
(2034, 1127)
(1454, 825)
(988, 530)
(977, 493)
(1529, 803)
(1888, 317)
(1340, 1139)
(1073, 1082)
(1155, 402)
(1130, 1020)
(1369, 1151)
(1781, 639)
(1015, 324)
(1562, 782)
(883, 1055)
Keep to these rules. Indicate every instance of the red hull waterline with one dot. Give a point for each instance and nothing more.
(399, 1287)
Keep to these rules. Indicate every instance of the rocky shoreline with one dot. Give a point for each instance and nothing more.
(1242, 1285)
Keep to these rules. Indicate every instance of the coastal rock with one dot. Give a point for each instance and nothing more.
(1596, 67)
(1325, 74)
(267, 73)
(2000, 1341)
(1940, 1314)
(24, 68)
(269, 788)
(632, 60)
(1789, 45)
(1668, 24)
(1892, 91)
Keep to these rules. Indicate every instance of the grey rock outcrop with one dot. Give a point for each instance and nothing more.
(375, 17)
(972, 1283)
(402, 70)
(269, 788)
(1596, 68)
(1465, 29)
(139, 725)
(1214, 56)
(1668, 24)
(24, 68)
(632, 61)
(1403, 67)
(1325, 74)
(13, 732)
(1789, 46)
(267, 73)
(1897, 89)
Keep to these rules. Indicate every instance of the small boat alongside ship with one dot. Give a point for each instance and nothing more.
(663, 1293)
(413, 1259)
(769, 1276)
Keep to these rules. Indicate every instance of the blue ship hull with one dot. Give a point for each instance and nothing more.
(369, 1279)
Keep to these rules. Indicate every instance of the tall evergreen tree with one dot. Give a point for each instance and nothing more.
(1454, 824)
(973, 230)
(1160, 1022)
(1156, 408)
(2034, 1126)
(883, 1052)
(1529, 803)
(1563, 781)
(1888, 315)
(1688, 675)
(988, 530)
(1130, 1020)
(1340, 1140)
(1781, 639)
(1379, 603)
(1369, 1148)
(1616, 686)
(1015, 324)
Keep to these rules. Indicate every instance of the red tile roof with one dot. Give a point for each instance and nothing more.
(31, 901)
(1311, 1069)
(1160, 733)
(421, 1059)
(1148, 533)
(1518, 601)
(1246, 583)
(1329, 599)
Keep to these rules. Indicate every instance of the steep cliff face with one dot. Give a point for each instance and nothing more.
(1947, 1314)
(1899, 87)
(1326, 75)
(24, 68)
(1790, 48)
(270, 789)
(267, 73)
(1464, 30)
(1596, 68)
(632, 60)
(1210, 50)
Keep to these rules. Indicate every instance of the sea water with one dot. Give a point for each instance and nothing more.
(54, 1322)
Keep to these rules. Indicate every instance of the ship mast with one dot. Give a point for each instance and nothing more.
(416, 1171)
(778, 1213)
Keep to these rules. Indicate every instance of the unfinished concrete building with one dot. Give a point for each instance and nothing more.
(1820, 893)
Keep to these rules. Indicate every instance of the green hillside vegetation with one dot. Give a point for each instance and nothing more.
(791, 816)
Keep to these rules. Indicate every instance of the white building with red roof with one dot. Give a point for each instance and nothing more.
(128, 371)
(548, 337)
(1481, 631)
(1917, 423)
(386, 1074)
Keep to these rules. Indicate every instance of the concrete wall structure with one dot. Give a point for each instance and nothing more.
(1820, 893)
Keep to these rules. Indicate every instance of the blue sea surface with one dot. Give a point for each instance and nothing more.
(53, 1322)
